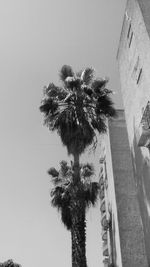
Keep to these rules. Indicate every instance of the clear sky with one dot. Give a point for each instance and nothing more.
(36, 38)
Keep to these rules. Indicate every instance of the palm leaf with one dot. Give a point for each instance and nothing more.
(64, 168)
(87, 75)
(66, 71)
(98, 85)
(54, 91)
(99, 124)
(88, 91)
(60, 198)
(53, 172)
(87, 170)
(91, 193)
(78, 73)
(66, 217)
(49, 105)
(105, 106)
(56, 197)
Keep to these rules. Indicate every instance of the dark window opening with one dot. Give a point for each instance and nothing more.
(129, 30)
(139, 76)
(130, 39)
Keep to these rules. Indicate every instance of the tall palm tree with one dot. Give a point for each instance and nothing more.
(77, 110)
(72, 200)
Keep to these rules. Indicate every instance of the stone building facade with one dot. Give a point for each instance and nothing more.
(122, 233)
(134, 68)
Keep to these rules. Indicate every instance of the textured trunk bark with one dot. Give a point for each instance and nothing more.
(78, 219)
(78, 235)
(76, 175)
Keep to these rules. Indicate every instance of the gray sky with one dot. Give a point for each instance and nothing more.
(36, 38)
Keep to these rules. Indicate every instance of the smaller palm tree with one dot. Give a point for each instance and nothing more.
(72, 200)
(9, 263)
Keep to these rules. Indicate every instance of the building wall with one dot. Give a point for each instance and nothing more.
(134, 68)
(125, 238)
(108, 208)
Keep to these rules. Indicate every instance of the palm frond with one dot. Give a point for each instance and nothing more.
(98, 85)
(53, 91)
(87, 75)
(63, 164)
(73, 83)
(87, 170)
(78, 73)
(61, 200)
(74, 135)
(68, 98)
(53, 172)
(105, 106)
(66, 217)
(49, 105)
(91, 193)
(56, 197)
(55, 179)
(99, 124)
(64, 168)
(66, 71)
(88, 91)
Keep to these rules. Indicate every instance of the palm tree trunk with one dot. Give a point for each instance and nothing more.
(78, 228)
(76, 175)
(78, 235)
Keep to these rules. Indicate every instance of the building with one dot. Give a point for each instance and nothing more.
(134, 68)
(122, 233)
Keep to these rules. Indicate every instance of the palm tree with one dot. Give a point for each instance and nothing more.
(77, 110)
(72, 200)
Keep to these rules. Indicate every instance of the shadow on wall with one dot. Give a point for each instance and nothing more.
(141, 168)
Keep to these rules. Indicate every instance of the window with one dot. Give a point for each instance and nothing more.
(139, 76)
(130, 35)
(130, 39)
(129, 30)
(143, 139)
(146, 117)
(137, 70)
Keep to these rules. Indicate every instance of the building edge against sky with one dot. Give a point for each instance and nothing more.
(134, 68)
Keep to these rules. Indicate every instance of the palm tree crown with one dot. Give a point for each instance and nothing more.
(72, 199)
(64, 190)
(78, 108)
